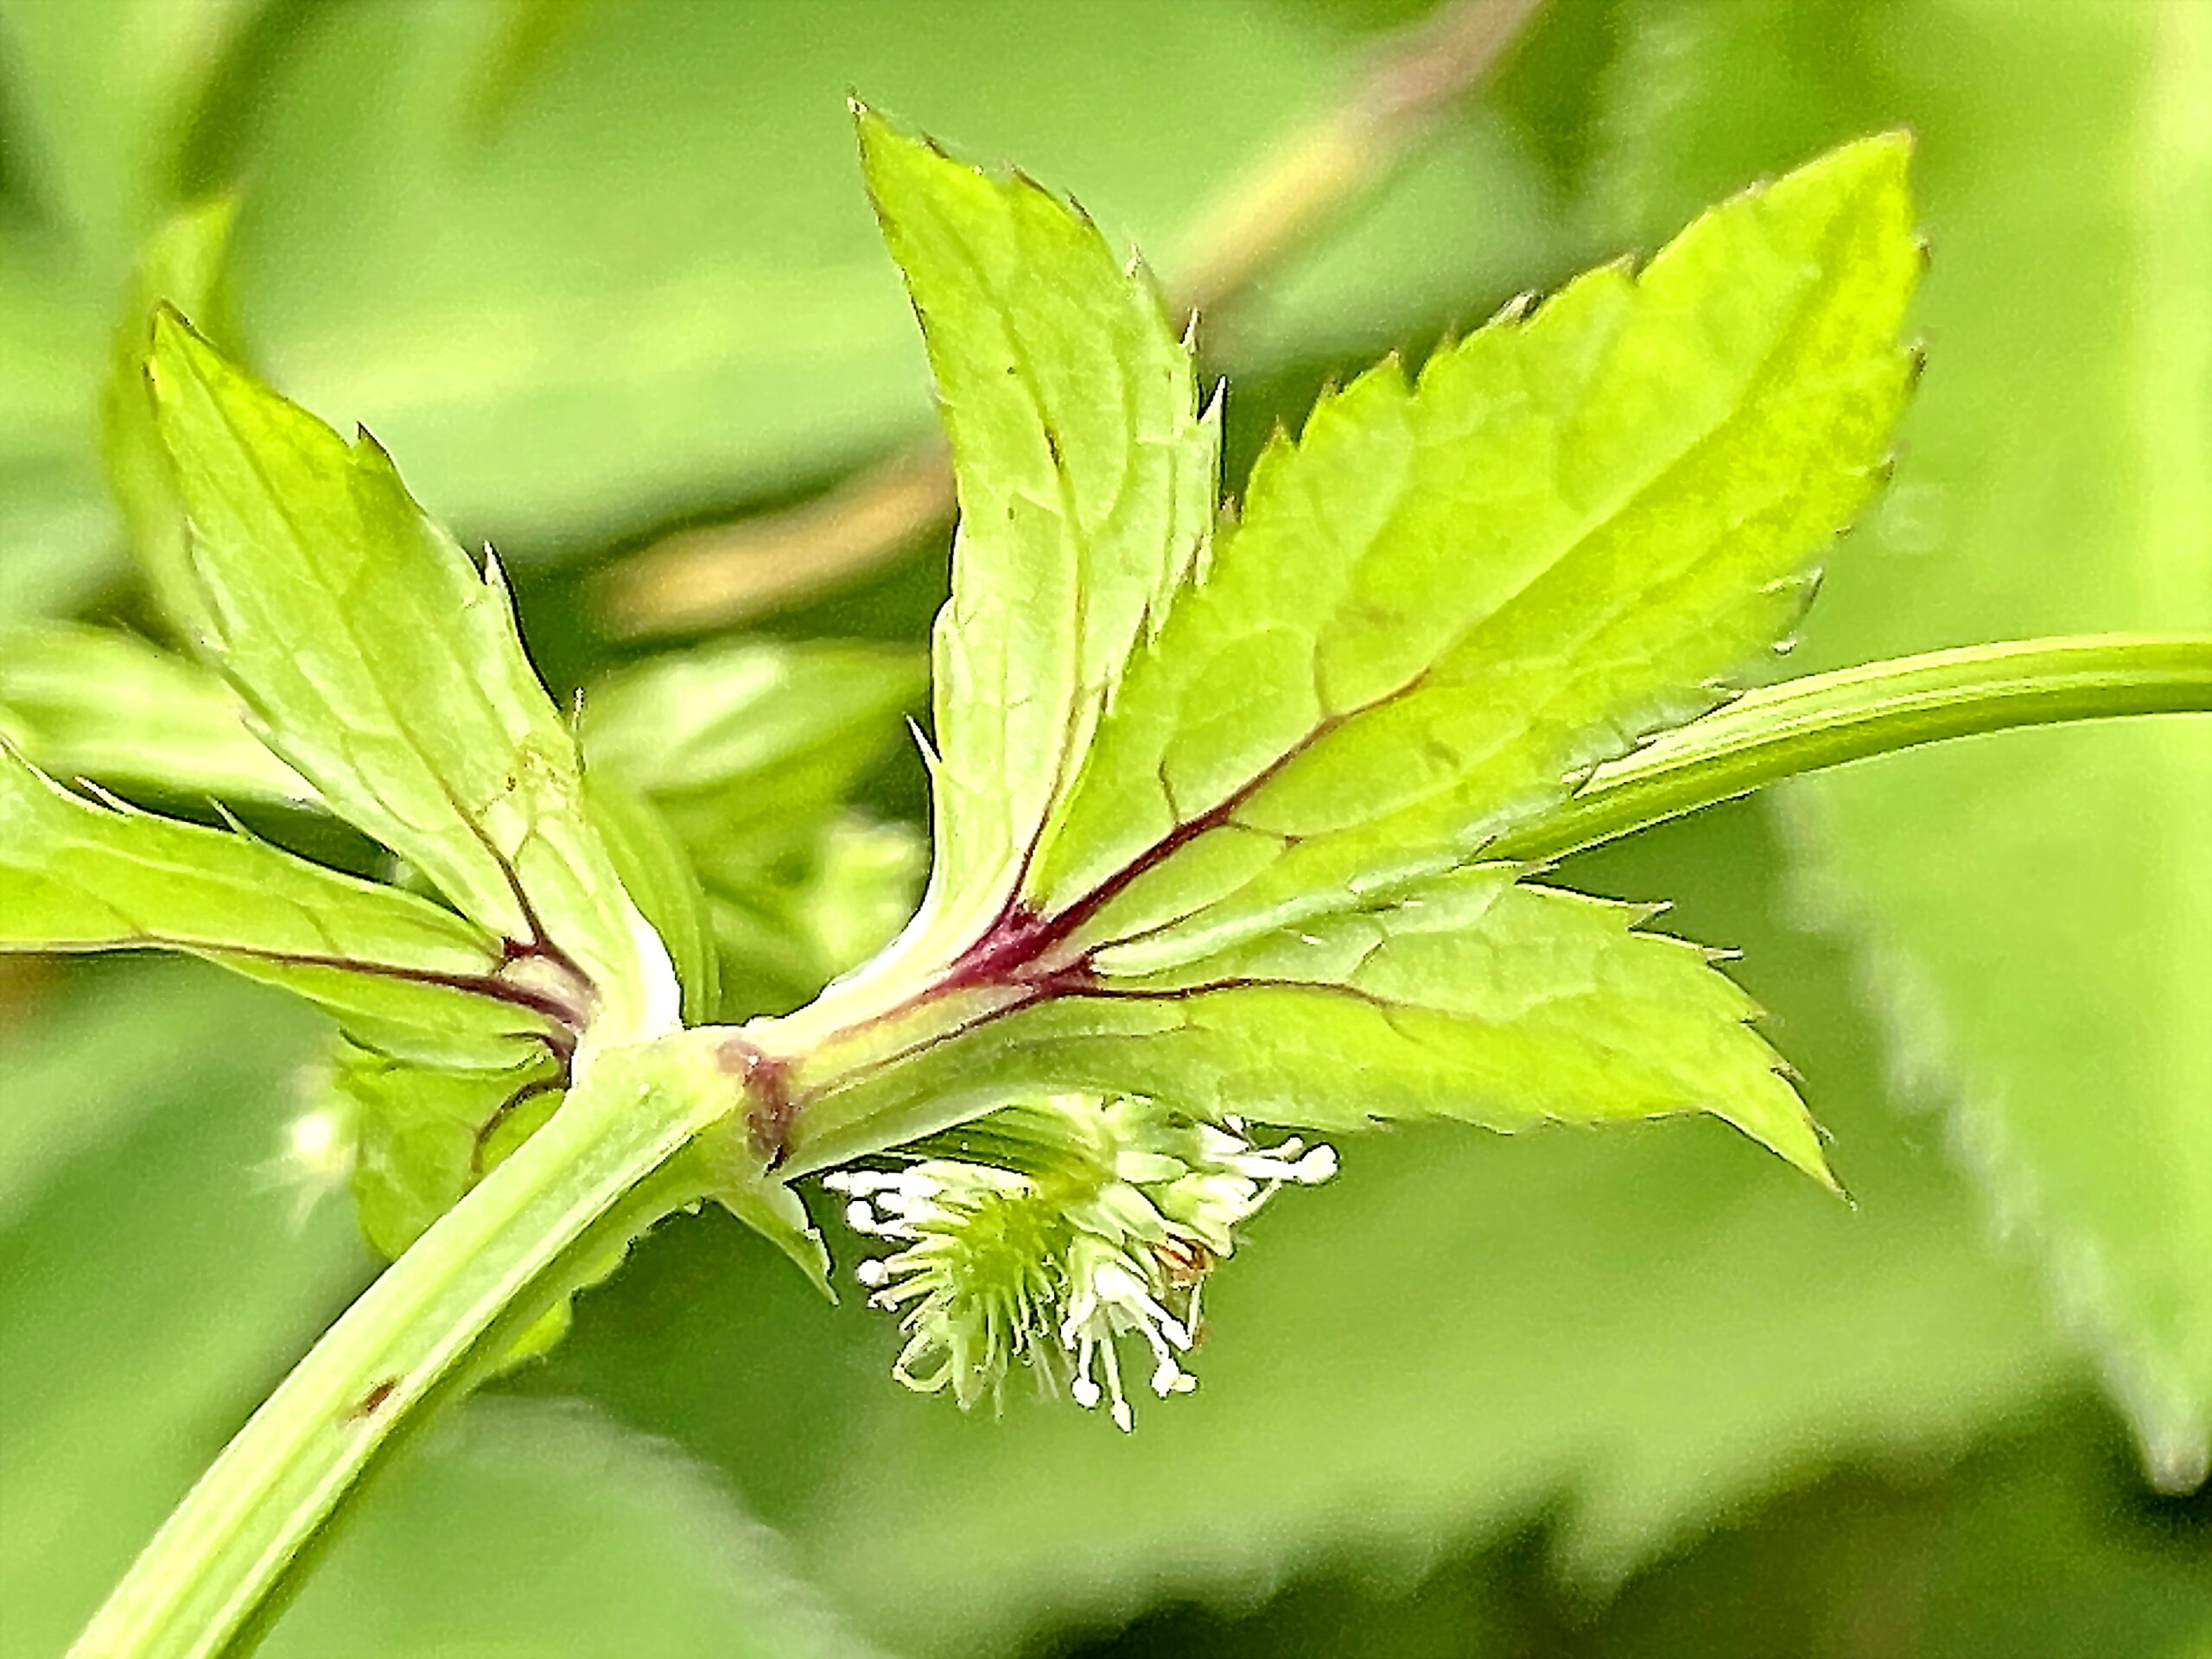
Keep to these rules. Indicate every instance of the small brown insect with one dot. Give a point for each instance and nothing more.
(373, 1400)
(1186, 1261)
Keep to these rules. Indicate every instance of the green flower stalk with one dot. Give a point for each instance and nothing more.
(1063, 1228)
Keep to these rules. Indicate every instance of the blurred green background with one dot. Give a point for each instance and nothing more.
(598, 271)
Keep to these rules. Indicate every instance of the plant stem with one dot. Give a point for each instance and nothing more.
(550, 1217)
(1825, 719)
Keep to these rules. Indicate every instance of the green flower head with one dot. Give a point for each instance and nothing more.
(1058, 1230)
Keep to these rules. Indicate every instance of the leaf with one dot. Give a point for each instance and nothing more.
(2034, 911)
(57, 532)
(1449, 597)
(787, 924)
(388, 672)
(1467, 995)
(2036, 1542)
(180, 266)
(423, 1134)
(543, 1529)
(77, 875)
(748, 750)
(1087, 481)
(2039, 1543)
(750, 739)
(663, 882)
(109, 90)
(1441, 604)
(103, 704)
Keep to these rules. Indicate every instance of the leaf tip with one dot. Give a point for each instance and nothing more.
(171, 343)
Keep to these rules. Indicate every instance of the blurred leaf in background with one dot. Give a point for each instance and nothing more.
(592, 268)
(750, 751)
(655, 283)
(2037, 913)
(545, 1530)
(2036, 1543)
(157, 1276)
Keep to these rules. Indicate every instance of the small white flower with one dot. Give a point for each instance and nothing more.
(1061, 1228)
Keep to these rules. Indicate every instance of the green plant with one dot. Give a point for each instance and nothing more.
(1228, 823)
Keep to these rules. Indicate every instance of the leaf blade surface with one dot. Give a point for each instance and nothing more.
(387, 670)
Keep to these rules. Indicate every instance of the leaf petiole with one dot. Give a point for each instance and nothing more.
(1854, 713)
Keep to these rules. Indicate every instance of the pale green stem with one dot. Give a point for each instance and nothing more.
(606, 1164)
(540, 1223)
(1825, 719)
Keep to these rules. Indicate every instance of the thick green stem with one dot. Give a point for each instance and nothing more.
(1826, 720)
(542, 1223)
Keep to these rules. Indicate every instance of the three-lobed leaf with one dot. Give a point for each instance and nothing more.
(1244, 783)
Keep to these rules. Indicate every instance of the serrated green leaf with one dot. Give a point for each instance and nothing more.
(1444, 601)
(1469, 996)
(77, 875)
(105, 705)
(387, 671)
(2036, 912)
(1087, 481)
(181, 265)
(1449, 596)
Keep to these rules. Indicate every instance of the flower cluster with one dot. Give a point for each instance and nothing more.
(1043, 1234)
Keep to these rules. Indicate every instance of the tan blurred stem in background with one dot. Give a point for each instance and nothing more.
(719, 575)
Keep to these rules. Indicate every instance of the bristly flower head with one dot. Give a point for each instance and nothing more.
(1058, 1229)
